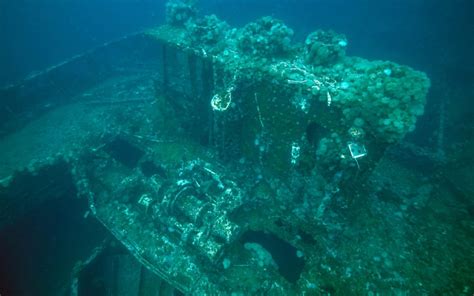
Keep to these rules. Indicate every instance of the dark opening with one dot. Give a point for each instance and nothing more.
(389, 196)
(124, 152)
(39, 251)
(470, 210)
(306, 238)
(314, 132)
(28, 190)
(284, 254)
(149, 168)
(116, 272)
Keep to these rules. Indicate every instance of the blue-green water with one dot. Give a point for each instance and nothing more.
(124, 122)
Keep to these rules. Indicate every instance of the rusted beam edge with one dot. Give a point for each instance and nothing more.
(72, 288)
(71, 59)
(164, 56)
(113, 102)
(145, 262)
(192, 64)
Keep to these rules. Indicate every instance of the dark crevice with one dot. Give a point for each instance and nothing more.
(124, 152)
(306, 238)
(314, 132)
(29, 190)
(149, 168)
(39, 251)
(289, 264)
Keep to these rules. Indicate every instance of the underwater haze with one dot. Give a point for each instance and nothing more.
(436, 35)
(236, 147)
